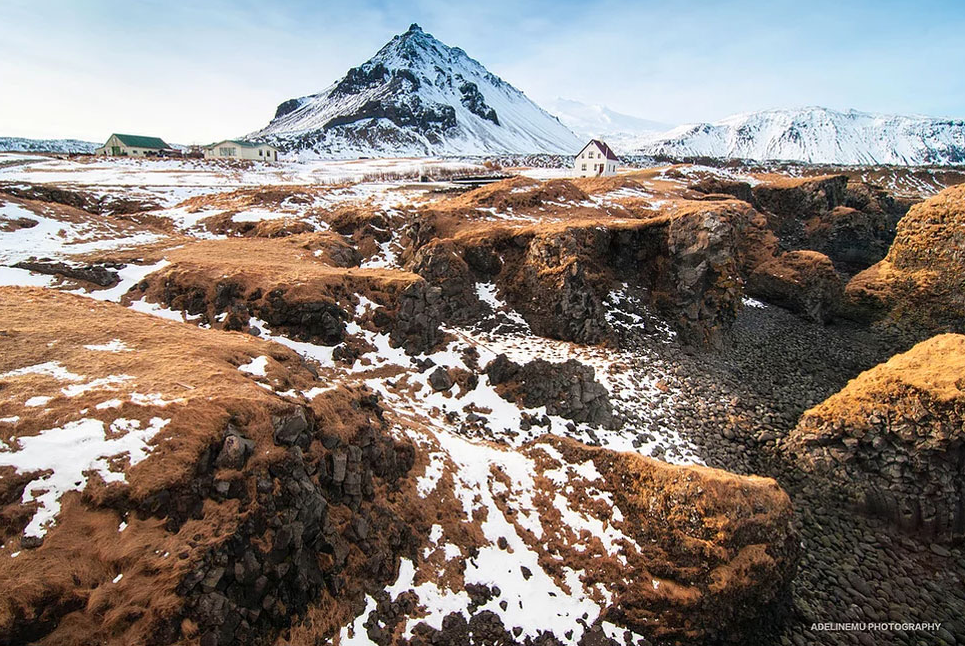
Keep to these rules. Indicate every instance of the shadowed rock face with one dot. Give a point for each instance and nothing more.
(850, 222)
(559, 277)
(892, 441)
(803, 282)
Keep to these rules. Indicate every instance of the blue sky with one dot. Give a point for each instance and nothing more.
(199, 71)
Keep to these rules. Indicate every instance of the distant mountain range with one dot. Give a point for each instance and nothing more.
(20, 144)
(624, 133)
(417, 96)
(819, 135)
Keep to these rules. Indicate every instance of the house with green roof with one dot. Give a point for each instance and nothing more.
(241, 149)
(118, 145)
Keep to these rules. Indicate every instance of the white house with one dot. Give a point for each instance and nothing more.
(236, 149)
(595, 160)
(134, 146)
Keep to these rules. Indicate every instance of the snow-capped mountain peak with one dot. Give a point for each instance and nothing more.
(819, 135)
(417, 96)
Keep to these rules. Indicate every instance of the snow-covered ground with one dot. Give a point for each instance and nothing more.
(170, 181)
(25, 234)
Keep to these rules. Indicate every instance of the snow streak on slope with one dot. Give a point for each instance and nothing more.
(622, 132)
(819, 135)
(417, 96)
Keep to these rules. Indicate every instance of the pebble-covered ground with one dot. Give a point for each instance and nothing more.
(736, 402)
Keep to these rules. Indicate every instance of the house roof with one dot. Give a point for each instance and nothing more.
(243, 144)
(137, 141)
(607, 151)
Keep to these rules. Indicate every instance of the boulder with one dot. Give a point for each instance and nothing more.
(566, 389)
(804, 282)
(440, 380)
(892, 441)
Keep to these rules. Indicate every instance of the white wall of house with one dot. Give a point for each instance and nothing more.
(116, 147)
(592, 162)
(231, 150)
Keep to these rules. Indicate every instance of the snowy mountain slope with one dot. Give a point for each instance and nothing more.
(20, 144)
(622, 132)
(417, 96)
(819, 135)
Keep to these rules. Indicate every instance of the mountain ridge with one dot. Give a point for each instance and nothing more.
(417, 96)
(816, 134)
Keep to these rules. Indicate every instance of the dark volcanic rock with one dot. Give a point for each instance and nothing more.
(893, 440)
(804, 282)
(97, 274)
(567, 389)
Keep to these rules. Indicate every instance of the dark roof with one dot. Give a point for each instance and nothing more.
(607, 152)
(243, 144)
(137, 141)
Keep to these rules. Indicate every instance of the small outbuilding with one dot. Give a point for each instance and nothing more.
(118, 145)
(595, 160)
(238, 149)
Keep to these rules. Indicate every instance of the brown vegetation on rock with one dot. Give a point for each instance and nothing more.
(233, 524)
(258, 512)
(892, 441)
(715, 548)
(919, 287)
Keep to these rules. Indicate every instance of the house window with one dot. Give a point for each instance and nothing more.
(584, 166)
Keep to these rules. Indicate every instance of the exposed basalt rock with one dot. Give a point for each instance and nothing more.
(919, 287)
(417, 323)
(791, 202)
(706, 293)
(804, 282)
(555, 289)
(566, 389)
(287, 107)
(247, 514)
(687, 266)
(79, 199)
(854, 239)
(312, 537)
(720, 547)
(475, 102)
(852, 223)
(892, 442)
(450, 276)
(96, 274)
(440, 380)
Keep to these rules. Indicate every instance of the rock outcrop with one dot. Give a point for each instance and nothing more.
(722, 553)
(566, 389)
(205, 505)
(919, 287)
(559, 275)
(893, 440)
(803, 282)
(288, 284)
(852, 223)
(202, 497)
